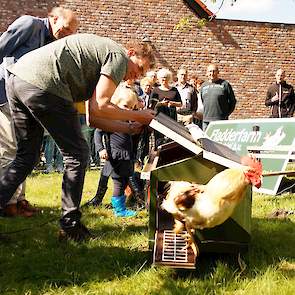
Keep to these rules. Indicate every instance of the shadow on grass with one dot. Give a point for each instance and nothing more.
(273, 243)
(32, 258)
(286, 185)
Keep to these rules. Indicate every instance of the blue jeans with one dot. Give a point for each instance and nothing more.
(52, 153)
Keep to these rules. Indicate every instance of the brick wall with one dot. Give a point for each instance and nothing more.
(248, 53)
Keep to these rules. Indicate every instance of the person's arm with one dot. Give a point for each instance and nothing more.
(100, 138)
(194, 101)
(176, 102)
(200, 109)
(117, 126)
(173, 103)
(99, 106)
(17, 34)
(231, 99)
(292, 103)
(153, 100)
(271, 98)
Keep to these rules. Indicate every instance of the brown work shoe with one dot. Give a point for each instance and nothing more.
(13, 210)
(24, 212)
(10, 210)
(25, 205)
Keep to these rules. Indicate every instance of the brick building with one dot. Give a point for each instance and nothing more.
(248, 53)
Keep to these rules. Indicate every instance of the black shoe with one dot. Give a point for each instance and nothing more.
(78, 233)
(136, 202)
(95, 202)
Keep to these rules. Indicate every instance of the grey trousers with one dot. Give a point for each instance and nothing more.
(31, 110)
(8, 148)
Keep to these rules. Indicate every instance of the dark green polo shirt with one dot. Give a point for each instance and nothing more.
(70, 67)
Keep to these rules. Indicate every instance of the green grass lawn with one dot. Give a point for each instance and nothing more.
(32, 261)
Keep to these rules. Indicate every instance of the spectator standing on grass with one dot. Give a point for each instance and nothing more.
(146, 142)
(169, 99)
(42, 88)
(52, 155)
(280, 97)
(218, 97)
(22, 36)
(198, 115)
(188, 96)
(100, 142)
(153, 76)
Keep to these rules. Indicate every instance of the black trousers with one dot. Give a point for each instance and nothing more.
(32, 109)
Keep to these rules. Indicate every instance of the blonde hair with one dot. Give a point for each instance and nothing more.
(145, 81)
(68, 16)
(182, 69)
(151, 74)
(165, 73)
(124, 94)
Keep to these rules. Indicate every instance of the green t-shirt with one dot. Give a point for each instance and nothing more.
(70, 67)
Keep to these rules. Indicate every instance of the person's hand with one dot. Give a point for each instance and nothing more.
(164, 102)
(103, 155)
(144, 116)
(135, 128)
(198, 115)
(275, 98)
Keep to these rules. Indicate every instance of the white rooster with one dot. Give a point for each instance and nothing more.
(205, 206)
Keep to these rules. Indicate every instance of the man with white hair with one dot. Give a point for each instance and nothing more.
(188, 97)
(24, 35)
(280, 97)
(153, 76)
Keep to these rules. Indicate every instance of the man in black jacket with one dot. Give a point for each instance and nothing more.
(280, 97)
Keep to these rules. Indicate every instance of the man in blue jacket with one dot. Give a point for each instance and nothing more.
(22, 36)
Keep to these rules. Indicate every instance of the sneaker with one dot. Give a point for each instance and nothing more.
(136, 202)
(79, 233)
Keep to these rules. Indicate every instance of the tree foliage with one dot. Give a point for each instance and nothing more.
(186, 23)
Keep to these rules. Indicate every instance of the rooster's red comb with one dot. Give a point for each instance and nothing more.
(254, 174)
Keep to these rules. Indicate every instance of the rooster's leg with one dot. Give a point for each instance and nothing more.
(178, 226)
(191, 240)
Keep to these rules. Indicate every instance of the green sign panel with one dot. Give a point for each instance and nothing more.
(272, 140)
